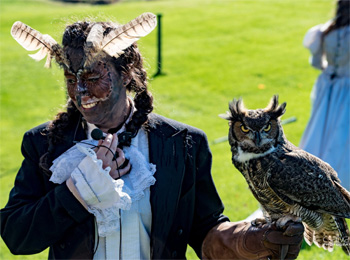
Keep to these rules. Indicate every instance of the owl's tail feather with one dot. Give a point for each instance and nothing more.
(335, 231)
(344, 239)
(308, 234)
(325, 237)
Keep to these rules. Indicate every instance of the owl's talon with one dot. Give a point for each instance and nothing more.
(284, 251)
(258, 222)
(282, 222)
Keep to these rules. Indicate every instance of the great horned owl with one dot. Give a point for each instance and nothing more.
(288, 182)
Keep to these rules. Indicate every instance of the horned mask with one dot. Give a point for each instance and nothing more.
(98, 43)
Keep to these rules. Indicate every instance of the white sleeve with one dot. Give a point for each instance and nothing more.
(102, 194)
(313, 41)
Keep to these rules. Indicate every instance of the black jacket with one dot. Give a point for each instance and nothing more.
(185, 204)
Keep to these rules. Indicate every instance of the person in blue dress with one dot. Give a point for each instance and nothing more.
(327, 134)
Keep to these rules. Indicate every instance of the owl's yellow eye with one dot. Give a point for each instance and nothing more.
(267, 128)
(244, 129)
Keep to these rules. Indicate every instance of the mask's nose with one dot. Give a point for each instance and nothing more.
(81, 91)
(81, 87)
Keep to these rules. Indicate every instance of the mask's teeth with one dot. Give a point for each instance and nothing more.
(90, 105)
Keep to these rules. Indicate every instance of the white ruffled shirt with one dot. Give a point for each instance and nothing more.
(107, 198)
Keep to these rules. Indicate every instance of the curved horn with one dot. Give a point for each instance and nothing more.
(94, 39)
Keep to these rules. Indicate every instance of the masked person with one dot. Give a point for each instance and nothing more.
(145, 191)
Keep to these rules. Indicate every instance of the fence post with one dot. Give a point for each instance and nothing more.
(159, 46)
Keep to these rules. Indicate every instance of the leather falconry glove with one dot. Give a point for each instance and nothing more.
(245, 240)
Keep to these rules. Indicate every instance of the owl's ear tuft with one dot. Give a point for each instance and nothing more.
(274, 109)
(237, 108)
(227, 116)
(272, 106)
(281, 109)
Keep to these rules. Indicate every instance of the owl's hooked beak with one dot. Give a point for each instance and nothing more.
(257, 139)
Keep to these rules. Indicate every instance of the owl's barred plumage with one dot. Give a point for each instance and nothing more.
(286, 180)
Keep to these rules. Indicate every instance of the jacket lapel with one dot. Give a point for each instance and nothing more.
(168, 153)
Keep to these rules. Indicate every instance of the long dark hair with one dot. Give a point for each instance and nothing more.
(129, 63)
(342, 17)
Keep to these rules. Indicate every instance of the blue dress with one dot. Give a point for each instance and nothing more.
(327, 134)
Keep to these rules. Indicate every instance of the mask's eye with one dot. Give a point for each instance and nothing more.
(93, 79)
(71, 81)
(267, 128)
(244, 129)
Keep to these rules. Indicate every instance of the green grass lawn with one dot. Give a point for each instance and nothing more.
(213, 51)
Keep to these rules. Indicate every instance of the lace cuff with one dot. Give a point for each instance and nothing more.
(63, 166)
(102, 194)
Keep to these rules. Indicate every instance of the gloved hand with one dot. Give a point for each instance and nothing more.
(243, 240)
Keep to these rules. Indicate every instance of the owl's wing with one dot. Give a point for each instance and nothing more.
(299, 177)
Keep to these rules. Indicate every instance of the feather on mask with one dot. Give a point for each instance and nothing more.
(117, 40)
(32, 40)
(97, 44)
